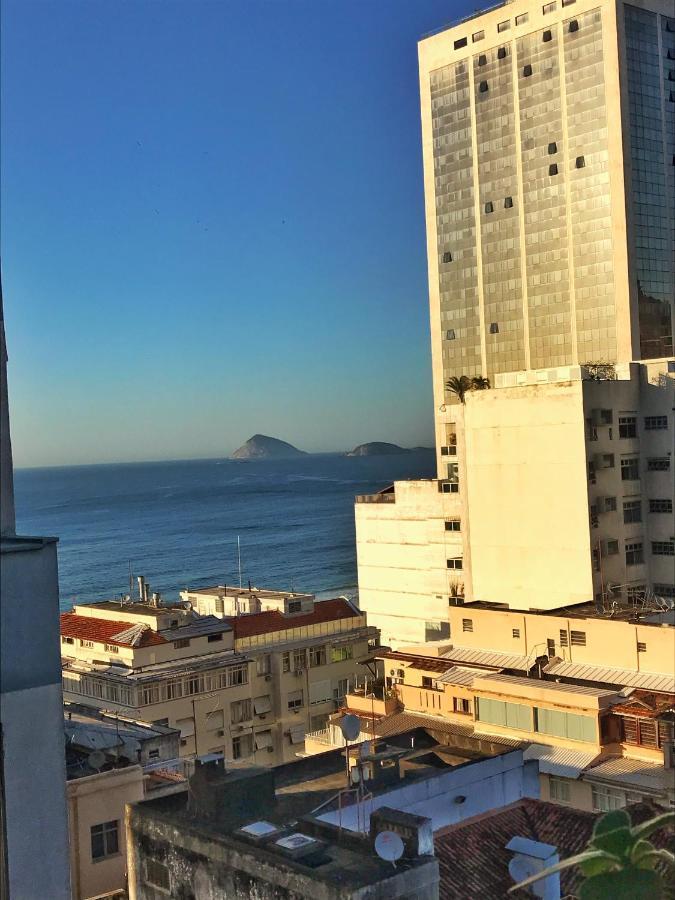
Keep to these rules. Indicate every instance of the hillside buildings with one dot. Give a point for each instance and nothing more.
(548, 139)
(248, 686)
(33, 820)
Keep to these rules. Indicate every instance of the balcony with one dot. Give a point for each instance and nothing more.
(376, 498)
(373, 700)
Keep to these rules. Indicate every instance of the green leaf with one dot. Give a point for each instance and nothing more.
(649, 860)
(565, 864)
(667, 820)
(618, 818)
(629, 884)
(618, 842)
(640, 849)
(598, 865)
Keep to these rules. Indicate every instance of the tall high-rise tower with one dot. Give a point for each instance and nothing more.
(548, 135)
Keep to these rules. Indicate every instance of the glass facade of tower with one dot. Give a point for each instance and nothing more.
(521, 165)
(650, 65)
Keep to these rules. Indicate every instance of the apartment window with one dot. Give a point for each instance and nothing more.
(641, 647)
(295, 700)
(610, 504)
(86, 644)
(578, 638)
(263, 664)
(286, 662)
(504, 26)
(522, 18)
(477, 36)
(448, 487)
(237, 675)
(342, 686)
(447, 256)
(214, 638)
(632, 511)
(658, 464)
(241, 746)
(455, 562)
(553, 169)
(295, 606)
(67, 640)
(494, 328)
(552, 148)
(548, 8)
(559, 789)
(630, 468)
(240, 711)
(660, 506)
(665, 590)
(319, 692)
(482, 60)
(634, 554)
(568, 2)
(580, 162)
(515, 632)
(483, 86)
(459, 705)
(317, 656)
(427, 682)
(627, 427)
(508, 715)
(605, 799)
(340, 654)
(573, 26)
(563, 637)
(501, 53)
(459, 43)
(663, 548)
(547, 36)
(104, 840)
(565, 725)
(449, 451)
(489, 207)
(635, 593)
(299, 660)
(450, 334)
(220, 605)
(157, 875)
(112, 648)
(150, 694)
(452, 525)
(655, 423)
(527, 71)
(467, 624)
(508, 202)
(183, 642)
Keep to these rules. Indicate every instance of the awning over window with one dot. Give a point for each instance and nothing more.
(262, 705)
(263, 739)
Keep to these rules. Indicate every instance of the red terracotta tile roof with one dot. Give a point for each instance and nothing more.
(273, 620)
(473, 860)
(88, 628)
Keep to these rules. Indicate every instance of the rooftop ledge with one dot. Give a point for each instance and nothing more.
(15, 543)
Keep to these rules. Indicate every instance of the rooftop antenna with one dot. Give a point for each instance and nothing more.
(131, 579)
(239, 559)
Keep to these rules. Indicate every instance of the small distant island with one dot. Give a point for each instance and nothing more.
(260, 446)
(382, 448)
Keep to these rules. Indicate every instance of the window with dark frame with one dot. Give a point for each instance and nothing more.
(632, 511)
(105, 840)
(627, 427)
(527, 71)
(634, 553)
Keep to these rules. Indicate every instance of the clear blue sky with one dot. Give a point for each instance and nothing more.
(213, 225)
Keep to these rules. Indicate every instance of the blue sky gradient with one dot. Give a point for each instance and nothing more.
(213, 225)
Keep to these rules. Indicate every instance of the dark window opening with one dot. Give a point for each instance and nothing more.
(489, 207)
(553, 169)
(527, 71)
(483, 86)
(494, 328)
(482, 60)
(508, 202)
(580, 162)
(501, 53)
(460, 43)
(450, 334)
(552, 148)
(547, 36)
(447, 256)
(573, 26)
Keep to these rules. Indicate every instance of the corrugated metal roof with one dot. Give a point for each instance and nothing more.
(631, 773)
(560, 760)
(460, 675)
(650, 681)
(516, 680)
(471, 656)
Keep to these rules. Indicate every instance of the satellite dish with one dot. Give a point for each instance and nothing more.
(96, 759)
(389, 846)
(521, 868)
(350, 726)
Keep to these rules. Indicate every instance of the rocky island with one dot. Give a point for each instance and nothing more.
(260, 446)
(377, 448)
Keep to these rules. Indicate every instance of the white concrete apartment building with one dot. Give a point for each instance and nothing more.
(550, 250)
(248, 686)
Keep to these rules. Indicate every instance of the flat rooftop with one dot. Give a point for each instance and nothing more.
(652, 614)
(230, 590)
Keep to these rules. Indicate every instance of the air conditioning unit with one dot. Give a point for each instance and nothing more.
(268, 677)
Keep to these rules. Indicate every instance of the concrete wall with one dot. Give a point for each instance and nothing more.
(92, 801)
(485, 784)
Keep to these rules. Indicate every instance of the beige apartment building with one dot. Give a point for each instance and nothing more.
(247, 686)
(550, 250)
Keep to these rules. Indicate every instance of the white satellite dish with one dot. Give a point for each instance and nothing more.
(350, 726)
(96, 759)
(389, 846)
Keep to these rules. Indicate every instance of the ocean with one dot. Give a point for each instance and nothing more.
(177, 523)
